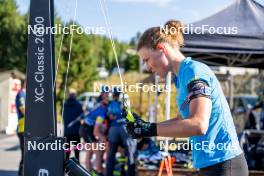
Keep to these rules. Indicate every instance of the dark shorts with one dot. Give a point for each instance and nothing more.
(234, 167)
(86, 132)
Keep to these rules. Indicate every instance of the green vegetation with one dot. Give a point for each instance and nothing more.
(131, 78)
(13, 38)
(88, 51)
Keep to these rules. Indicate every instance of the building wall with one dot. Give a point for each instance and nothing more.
(15, 85)
(4, 102)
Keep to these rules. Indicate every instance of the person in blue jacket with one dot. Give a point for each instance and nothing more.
(118, 136)
(204, 114)
(93, 130)
(20, 108)
(71, 111)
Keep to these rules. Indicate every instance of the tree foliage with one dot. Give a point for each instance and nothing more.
(88, 51)
(13, 38)
(82, 65)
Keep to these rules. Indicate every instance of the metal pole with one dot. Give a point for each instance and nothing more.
(168, 97)
(156, 98)
(140, 93)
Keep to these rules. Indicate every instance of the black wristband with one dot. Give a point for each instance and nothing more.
(153, 129)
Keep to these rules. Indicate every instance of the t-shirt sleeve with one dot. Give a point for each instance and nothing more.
(193, 74)
(197, 83)
(100, 117)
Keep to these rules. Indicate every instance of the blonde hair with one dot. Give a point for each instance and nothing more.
(170, 33)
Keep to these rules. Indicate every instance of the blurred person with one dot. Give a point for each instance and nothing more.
(20, 108)
(93, 130)
(119, 137)
(260, 104)
(204, 114)
(71, 111)
(100, 132)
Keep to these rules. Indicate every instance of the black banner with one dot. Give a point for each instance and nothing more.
(44, 154)
(40, 102)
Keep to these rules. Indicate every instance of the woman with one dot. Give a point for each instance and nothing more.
(204, 114)
(93, 131)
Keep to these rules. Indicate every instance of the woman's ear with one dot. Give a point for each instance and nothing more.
(162, 48)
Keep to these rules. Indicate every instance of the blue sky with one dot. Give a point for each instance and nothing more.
(128, 17)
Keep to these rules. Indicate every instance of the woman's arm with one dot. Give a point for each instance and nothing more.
(196, 124)
(178, 117)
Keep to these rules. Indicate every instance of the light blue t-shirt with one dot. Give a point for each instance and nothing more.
(220, 142)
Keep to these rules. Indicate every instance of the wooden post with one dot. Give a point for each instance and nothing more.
(156, 98)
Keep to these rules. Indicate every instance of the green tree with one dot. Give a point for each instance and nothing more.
(131, 62)
(82, 68)
(106, 53)
(134, 40)
(88, 51)
(13, 38)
